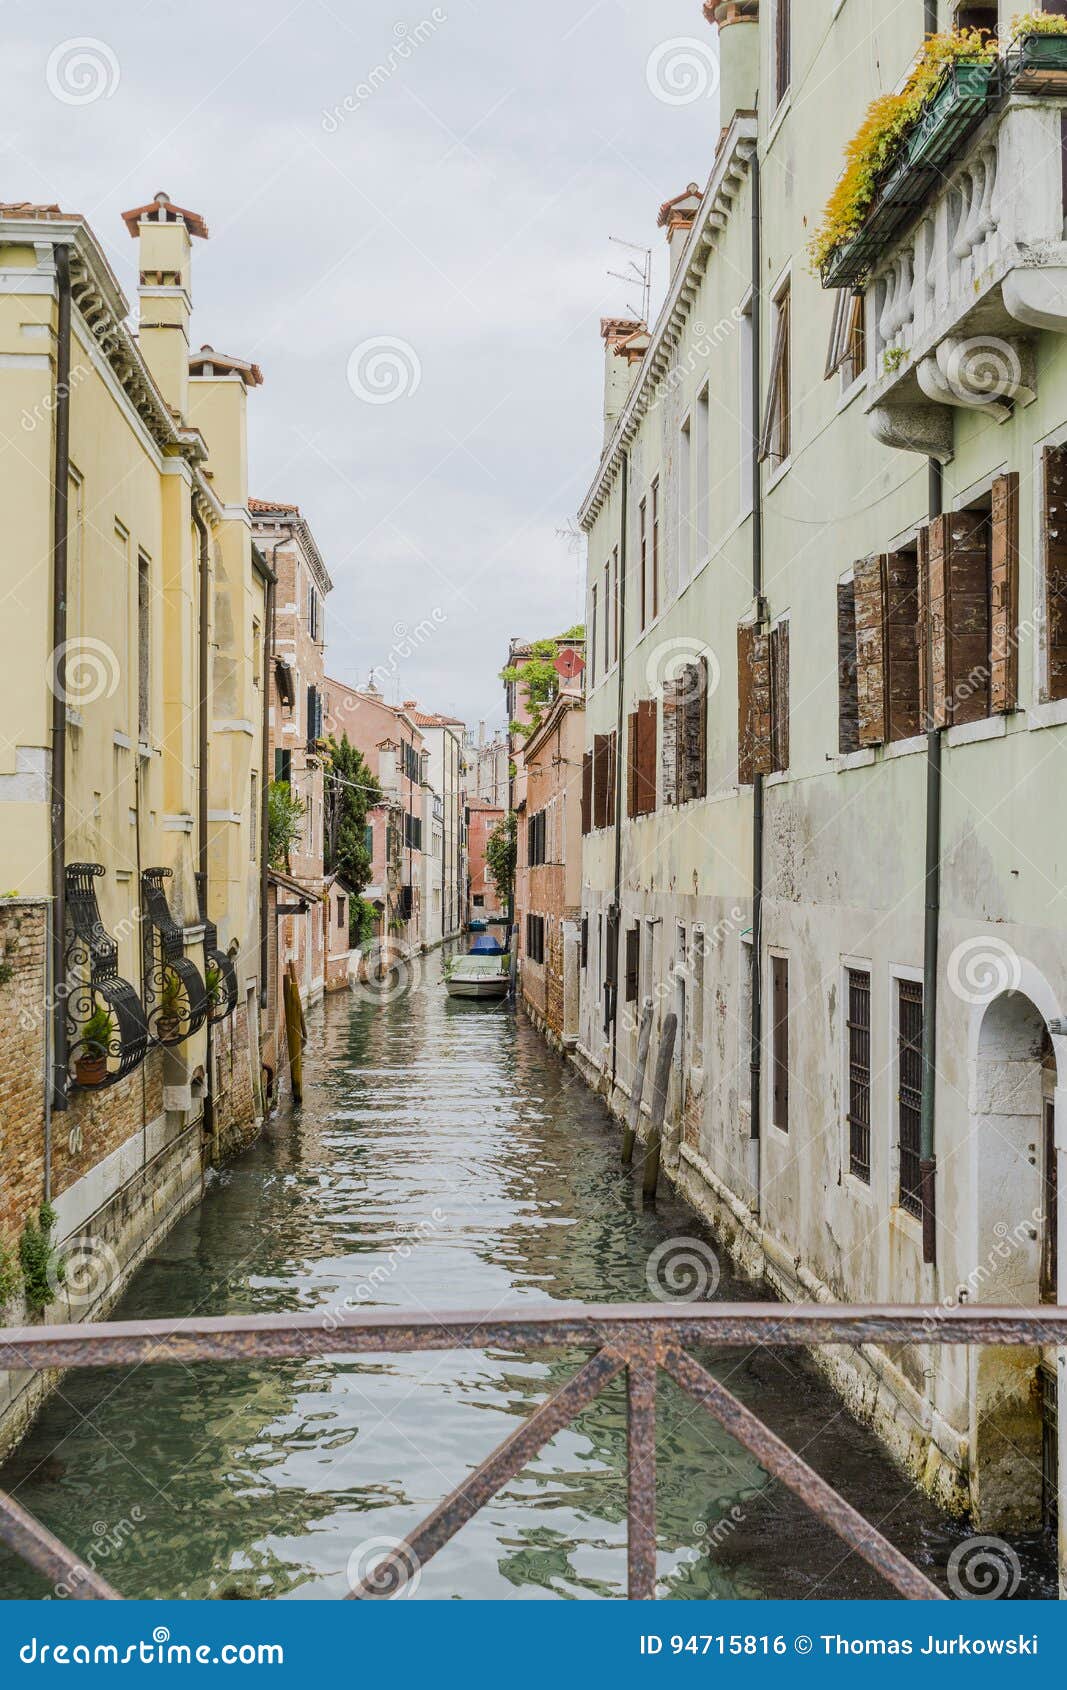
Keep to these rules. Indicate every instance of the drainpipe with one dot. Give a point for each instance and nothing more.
(615, 912)
(56, 1092)
(264, 819)
(930, 17)
(927, 1155)
(756, 960)
(203, 785)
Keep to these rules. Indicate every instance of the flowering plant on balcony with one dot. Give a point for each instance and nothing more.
(1037, 23)
(889, 121)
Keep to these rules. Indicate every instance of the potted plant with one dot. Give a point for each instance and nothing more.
(90, 1068)
(1037, 59)
(213, 982)
(170, 1008)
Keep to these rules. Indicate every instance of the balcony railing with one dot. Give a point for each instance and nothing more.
(638, 1340)
(106, 1027)
(952, 303)
(175, 995)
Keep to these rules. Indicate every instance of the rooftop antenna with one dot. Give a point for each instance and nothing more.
(634, 272)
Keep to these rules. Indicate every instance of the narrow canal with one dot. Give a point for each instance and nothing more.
(443, 1159)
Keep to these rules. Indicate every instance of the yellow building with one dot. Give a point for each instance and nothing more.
(131, 745)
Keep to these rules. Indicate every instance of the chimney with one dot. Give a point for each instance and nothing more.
(677, 216)
(372, 688)
(619, 371)
(165, 234)
(738, 25)
(217, 406)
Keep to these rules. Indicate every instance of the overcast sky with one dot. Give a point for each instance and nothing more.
(455, 202)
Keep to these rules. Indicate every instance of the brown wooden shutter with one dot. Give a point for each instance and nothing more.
(632, 731)
(902, 653)
(938, 544)
(645, 780)
(754, 704)
(693, 747)
(869, 580)
(611, 765)
(779, 667)
(923, 633)
(1055, 542)
(847, 694)
(1004, 595)
(968, 616)
(600, 785)
(669, 746)
(587, 792)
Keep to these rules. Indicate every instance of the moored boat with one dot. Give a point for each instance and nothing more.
(482, 973)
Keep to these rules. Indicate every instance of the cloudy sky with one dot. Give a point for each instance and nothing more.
(406, 203)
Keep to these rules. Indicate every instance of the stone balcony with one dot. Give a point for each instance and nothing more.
(953, 304)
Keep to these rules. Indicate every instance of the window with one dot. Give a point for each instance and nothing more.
(746, 409)
(314, 613)
(587, 792)
(775, 437)
(253, 816)
(780, 697)
(607, 616)
(969, 589)
(699, 948)
(780, 1042)
(633, 963)
(257, 653)
(592, 638)
(683, 754)
(1055, 560)
(859, 1074)
(909, 1092)
(984, 15)
(847, 354)
(341, 912)
(144, 648)
(879, 655)
(412, 831)
(535, 938)
(1050, 1225)
(283, 765)
(585, 942)
(314, 715)
(535, 839)
(641, 760)
(782, 49)
(762, 701)
(479, 900)
(615, 604)
(643, 559)
(655, 548)
(368, 840)
(685, 503)
(702, 477)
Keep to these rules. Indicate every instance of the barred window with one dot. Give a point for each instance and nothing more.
(859, 1074)
(909, 1092)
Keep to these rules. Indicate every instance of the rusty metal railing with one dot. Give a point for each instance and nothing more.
(638, 1339)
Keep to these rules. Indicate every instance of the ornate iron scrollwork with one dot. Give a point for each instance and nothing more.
(223, 999)
(175, 996)
(106, 1025)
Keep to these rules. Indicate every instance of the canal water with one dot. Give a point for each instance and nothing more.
(443, 1159)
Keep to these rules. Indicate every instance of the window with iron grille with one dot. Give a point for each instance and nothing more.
(633, 963)
(780, 1042)
(859, 1074)
(909, 1092)
(585, 941)
(1050, 1227)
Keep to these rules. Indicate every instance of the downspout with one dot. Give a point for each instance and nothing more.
(56, 1091)
(756, 958)
(264, 820)
(927, 1152)
(930, 18)
(202, 782)
(615, 912)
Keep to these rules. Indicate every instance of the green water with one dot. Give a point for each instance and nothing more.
(443, 1159)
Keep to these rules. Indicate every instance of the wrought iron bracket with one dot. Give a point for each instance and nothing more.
(98, 1055)
(175, 995)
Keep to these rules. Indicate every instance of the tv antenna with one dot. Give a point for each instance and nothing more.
(641, 274)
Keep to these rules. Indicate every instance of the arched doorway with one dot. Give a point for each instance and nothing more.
(1013, 1403)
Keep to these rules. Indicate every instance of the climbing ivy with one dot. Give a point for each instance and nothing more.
(42, 1269)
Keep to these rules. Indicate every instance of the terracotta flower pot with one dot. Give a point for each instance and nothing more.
(91, 1070)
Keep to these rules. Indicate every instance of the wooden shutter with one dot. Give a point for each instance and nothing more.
(754, 704)
(779, 668)
(599, 779)
(847, 695)
(669, 746)
(957, 612)
(587, 792)
(632, 752)
(1004, 595)
(923, 633)
(693, 751)
(1055, 541)
(902, 651)
(645, 769)
(611, 759)
(869, 580)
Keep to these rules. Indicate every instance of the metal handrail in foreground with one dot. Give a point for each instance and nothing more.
(638, 1338)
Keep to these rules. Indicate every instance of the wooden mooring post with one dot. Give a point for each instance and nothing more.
(633, 1120)
(664, 1058)
(295, 1032)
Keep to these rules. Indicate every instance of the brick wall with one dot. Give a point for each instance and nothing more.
(23, 939)
(235, 1099)
(96, 1123)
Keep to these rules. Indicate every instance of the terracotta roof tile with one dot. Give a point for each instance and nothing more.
(272, 505)
(251, 373)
